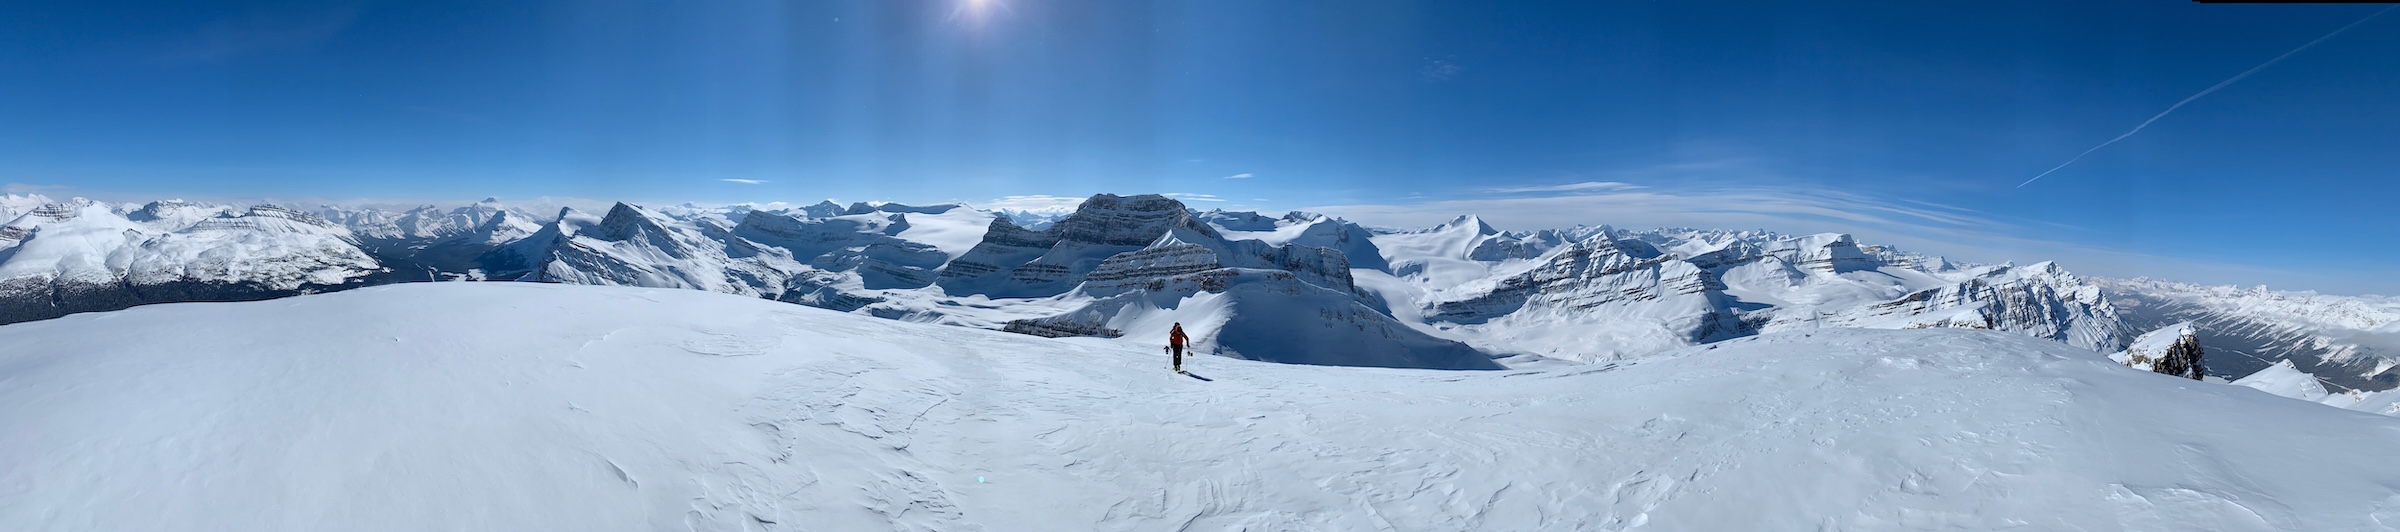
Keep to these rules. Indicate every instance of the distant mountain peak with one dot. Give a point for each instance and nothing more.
(1468, 221)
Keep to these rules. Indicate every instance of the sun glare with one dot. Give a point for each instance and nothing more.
(975, 11)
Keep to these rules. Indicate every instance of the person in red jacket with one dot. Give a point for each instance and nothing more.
(1175, 341)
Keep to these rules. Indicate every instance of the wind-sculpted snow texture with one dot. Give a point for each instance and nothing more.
(407, 408)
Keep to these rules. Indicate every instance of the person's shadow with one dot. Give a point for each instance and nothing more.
(1197, 376)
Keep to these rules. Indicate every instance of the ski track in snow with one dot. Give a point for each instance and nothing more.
(514, 406)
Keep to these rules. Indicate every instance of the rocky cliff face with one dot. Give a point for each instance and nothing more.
(1828, 253)
(2174, 350)
(2041, 300)
(1016, 262)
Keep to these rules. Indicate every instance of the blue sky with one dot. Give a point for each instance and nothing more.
(1904, 122)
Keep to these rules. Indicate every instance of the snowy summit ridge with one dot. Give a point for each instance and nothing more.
(1299, 287)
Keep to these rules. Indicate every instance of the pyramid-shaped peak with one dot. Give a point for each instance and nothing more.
(623, 221)
(1471, 222)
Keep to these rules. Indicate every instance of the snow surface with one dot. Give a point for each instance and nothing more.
(518, 406)
(2284, 380)
(954, 230)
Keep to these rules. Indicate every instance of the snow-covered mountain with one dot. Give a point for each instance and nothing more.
(1597, 294)
(175, 215)
(14, 205)
(428, 222)
(632, 246)
(1298, 287)
(2286, 379)
(80, 256)
(837, 261)
(1135, 266)
(433, 240)
(2352, 342)
(440, 406)
(1015, 262)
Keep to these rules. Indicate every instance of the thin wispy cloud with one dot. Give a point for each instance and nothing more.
(1440, 69)
(1186, 196)
(1039, 203)
(2204, 92)
(745, 181)
(1570, 187)
(1243, 175)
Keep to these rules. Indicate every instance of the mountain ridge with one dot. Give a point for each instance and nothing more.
(1544, 294)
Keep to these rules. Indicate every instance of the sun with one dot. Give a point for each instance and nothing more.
(976, 11)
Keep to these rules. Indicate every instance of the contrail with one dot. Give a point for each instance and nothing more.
(2211, 88)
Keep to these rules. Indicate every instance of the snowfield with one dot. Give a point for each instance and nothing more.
(520, 406)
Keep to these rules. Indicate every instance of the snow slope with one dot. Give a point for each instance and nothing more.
(2287, 380)
(442, 406)
(2284, 380)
